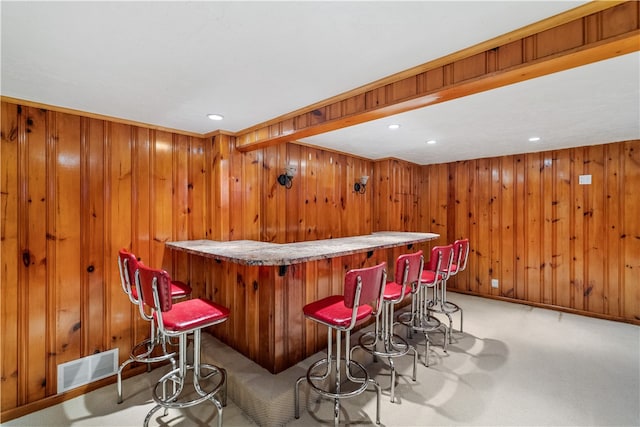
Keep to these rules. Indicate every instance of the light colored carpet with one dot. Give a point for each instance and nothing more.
(514, 365)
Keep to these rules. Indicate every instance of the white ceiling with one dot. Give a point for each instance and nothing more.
(588, 105)
(171, 63)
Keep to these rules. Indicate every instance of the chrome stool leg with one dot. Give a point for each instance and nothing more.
(149, 345)
(384, 342)
(178, 376)
(363, 288)
(420, 320)
(334, 365)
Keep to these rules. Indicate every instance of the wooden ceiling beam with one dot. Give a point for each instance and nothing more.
(587, 34)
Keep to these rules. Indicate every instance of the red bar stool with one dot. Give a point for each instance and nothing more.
(181, 320)
(460, 258)
(383, 342)
(363, 295)
(144, 352)
(420, 318)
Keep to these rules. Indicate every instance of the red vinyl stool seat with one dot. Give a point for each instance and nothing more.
(363, 295)
(383, 342)
(180, 320)
(440, 303)
(420, 318)
(145, 351)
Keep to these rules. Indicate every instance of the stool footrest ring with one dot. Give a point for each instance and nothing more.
(395, 347)
(444, 307)
(425, 323)
(149, 345)
(361, 381)
(172, 376)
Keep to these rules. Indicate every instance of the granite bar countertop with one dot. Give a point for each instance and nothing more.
(251, 252)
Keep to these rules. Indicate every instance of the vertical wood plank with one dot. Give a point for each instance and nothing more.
(546, 228)
(594, 291)
(51, 160)
(239, 329)
(66, 235)
(507, 227)
(395, 196)
(328, 213)
(9, 262)
(383, 197)
(197, 207)
(294, 300)
(294, 197)
(475, 250)
(344, 192)
(273, 214)
(266, 314)
(310, 194)
(182, 210)
(521, 226)
(357, 206)
(462, 217)
(578, 237)
(495, 230)
(338, 192)
(441, 184)
(220, 187)
(141, 205)
(253, 311)
(118, 147)
(631, 232)
(562, 228)
(197, 199)
(276, 334)
(533, 224)
(614, 281)
(93, 268)
(161, 194)
(251, 194)
(483, 244)
(35, 245)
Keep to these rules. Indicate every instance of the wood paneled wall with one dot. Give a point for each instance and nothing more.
(321, 204)
(547, 239)
(75, 189)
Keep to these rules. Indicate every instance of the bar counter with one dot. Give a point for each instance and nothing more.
(251, 252)
(265, 285)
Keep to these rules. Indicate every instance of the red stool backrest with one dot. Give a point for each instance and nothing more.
(128, 264)
(409, 268)
(372, 291)
(461, 249)
(441, 260)
(148, 278)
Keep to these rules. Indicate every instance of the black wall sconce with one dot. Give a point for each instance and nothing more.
(286, 178)
(361, 185)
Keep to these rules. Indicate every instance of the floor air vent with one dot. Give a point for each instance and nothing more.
(88, 369)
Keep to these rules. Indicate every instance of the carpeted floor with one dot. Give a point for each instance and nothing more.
(514, 365)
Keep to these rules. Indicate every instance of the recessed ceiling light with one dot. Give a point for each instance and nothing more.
(394, 126)
(431, 141)
(215, 116)
(534, 139)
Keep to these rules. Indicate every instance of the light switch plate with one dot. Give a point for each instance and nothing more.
(584, 179)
